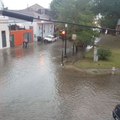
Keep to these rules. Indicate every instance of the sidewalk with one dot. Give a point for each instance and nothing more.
(93, 71)
(70, 61)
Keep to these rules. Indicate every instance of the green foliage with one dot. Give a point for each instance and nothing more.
(109, 9)
(84, 11)
(109, 22)
(77, 11)
(86, 37)
(104, 54)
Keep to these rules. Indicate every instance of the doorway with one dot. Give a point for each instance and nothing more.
(12, 41)
(3, 39)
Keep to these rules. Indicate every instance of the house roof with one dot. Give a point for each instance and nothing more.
(31, 11)
(35, 7)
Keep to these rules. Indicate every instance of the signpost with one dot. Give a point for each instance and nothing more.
(95, 52)
(74, 37)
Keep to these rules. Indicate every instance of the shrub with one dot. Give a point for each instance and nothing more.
(104, 54)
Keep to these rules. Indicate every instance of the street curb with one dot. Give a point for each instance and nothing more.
(94, 71)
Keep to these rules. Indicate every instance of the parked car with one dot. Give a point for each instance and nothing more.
(116, 112)
(50, 38)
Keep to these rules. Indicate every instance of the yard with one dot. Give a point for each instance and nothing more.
(109, 42)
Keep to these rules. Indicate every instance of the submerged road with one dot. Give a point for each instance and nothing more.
(34, 86)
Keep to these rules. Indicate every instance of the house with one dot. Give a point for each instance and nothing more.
(4, 32)
(40, 28)
(19, 34)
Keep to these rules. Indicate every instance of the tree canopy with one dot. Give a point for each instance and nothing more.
(76, 11)
(109, 10)
(81, 11)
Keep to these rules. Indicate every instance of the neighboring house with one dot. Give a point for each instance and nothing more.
(4, 32)
(18, 35)
(40, 28)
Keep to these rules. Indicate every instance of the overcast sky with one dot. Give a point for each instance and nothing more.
(21, 4)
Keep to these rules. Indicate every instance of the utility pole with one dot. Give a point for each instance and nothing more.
(95, 59)
(65, 55)
(74, 37)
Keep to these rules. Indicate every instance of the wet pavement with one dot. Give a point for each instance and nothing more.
(34, 86)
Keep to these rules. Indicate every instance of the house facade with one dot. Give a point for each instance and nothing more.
(40, 28)
(43, 29)
(4, 33)
(18, 36)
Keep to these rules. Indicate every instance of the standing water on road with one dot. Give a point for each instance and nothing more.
(33, 86)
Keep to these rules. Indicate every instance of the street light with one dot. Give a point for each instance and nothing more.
(63, 33)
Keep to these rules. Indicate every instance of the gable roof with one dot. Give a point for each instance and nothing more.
(35, 7)
(31, 11)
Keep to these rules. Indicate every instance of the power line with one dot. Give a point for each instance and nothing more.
(31, 19)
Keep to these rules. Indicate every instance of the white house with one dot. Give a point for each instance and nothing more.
(42, 28)
(4, 32)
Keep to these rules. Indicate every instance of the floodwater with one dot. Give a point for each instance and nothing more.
(34, 86)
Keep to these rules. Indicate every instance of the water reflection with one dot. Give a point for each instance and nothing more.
(87, 97)
(36, 87)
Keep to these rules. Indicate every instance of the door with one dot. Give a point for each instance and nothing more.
(12, 41)
(4, 39)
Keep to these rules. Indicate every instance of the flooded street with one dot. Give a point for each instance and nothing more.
(34, 86)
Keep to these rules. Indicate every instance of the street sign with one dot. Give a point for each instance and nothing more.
(74, 36)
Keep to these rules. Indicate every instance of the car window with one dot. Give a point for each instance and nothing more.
(49, 36)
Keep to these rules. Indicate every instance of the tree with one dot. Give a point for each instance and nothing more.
(109, 10)
(77, 11)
